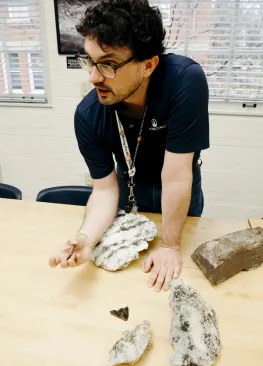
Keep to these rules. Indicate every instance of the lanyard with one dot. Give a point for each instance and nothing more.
(132, 206)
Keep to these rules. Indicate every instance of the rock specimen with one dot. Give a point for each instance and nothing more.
(122, 313)
(226, 256)
(132, 346)
(194, 331)
(120, 244)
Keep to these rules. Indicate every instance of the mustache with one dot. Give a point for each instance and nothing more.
(101, 86)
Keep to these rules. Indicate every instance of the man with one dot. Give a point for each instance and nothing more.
(160, 104)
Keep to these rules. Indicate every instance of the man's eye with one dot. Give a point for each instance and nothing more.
(108, 63)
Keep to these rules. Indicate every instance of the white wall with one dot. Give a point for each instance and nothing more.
(233, 169)
(38, 148)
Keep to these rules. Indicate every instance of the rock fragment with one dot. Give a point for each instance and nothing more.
(125, 238)
(228, 255)
(194, 332)
(132, 345)
(122, 313)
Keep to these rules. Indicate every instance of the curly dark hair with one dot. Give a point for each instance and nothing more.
(125, 23)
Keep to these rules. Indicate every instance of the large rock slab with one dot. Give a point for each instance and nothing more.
(226, 256)
(132, 345)
(125, 238)
(194, 333)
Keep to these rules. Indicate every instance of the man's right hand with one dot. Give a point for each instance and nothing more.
(80, 255)
(100, 212)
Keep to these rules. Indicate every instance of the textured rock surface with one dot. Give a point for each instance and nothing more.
(132, 346)
(120, 244)
(226, 256)
(122, 313)
(194, 331)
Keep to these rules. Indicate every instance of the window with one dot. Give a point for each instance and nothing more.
(226, 38)
(22, 67)
(17, 14)
(13, 59)
(35, 62)
(165, 8)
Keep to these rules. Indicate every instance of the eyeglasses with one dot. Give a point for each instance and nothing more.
(107, 70)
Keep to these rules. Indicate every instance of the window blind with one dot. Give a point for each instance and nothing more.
(225, 37)
(22, 71)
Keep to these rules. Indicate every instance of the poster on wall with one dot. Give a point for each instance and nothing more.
(68, 14)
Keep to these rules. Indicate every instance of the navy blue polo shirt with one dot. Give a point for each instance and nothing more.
(176, 120)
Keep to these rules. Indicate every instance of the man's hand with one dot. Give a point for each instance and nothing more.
(80, 255)
(165, 264)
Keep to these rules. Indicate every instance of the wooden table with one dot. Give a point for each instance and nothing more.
(255, 222)
(56, 317)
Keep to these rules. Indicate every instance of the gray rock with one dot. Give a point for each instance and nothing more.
(226, 256)
(125, 238)
(132, 346)
(194, 331)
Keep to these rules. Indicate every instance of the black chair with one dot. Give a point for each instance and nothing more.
(11, 192)
(68, 195)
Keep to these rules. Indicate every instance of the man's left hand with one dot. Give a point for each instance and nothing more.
(165, 264)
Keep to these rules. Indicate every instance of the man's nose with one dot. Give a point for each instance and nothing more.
(95, 76)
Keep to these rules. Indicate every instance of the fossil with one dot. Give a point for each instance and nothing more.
(132, 345)
(121, 243)
(122, 313)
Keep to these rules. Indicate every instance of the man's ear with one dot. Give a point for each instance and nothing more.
(150, 65)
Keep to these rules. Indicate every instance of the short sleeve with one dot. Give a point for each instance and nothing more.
(188, 121)
(96, 155)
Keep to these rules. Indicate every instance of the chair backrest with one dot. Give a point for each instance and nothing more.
(68, 195)
(11, 192)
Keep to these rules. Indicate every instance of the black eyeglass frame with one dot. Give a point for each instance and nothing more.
(114, 67)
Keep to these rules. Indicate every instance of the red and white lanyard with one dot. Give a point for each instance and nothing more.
(132, 206)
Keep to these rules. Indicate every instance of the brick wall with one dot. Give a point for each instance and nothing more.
(38, 147)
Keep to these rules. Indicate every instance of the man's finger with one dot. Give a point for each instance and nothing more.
(64, 254)
(177, 271)
(83, 256)
(72, 261)
(72, 240)
(64, 264)
(160, 279)
(153, 277)
(78, 242)
(168, 279)
(53, 262)
(148, 263)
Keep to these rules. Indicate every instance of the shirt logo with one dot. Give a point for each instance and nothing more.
(154, 123)
(155, 126)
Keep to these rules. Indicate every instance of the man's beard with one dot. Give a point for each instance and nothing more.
(120, 96)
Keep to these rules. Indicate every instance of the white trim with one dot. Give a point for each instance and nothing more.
(235, 108)
(47, 83)
(30, 72)
(27, 105)
(3, 62)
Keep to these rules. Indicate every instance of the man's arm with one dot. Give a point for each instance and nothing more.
(165, 263)
(100, 212)
(101, 208)
(188, 132)
(176, 194)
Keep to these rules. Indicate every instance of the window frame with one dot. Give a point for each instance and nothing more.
(47, 86)
(220, 106)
